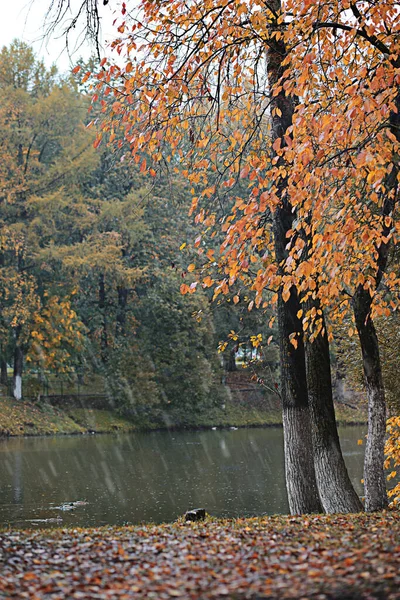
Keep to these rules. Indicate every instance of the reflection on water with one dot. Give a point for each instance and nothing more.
(155, 476)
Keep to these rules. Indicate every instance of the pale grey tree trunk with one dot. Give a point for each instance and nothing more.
(374, 474)
(18, 367)
(335, 488)
(301, 483)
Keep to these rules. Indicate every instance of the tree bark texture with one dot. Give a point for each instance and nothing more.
(301, 483)
(121, 312)
(335, 488)
(3, 369)
(300, 476)
(374, 474)
(18, 368)
(102, 307)
(230, 362)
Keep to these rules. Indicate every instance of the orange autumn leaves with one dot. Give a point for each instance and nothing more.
(193, 95)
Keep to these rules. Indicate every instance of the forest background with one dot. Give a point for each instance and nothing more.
(50, 332)
(92, 260)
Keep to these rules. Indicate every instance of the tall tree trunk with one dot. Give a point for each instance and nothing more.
(121, 311)
(3, 359)
(301, 482)
(230, 363)
(3, 367)
(102, 307)
(374, 475)
(335, 488)
(18, 367)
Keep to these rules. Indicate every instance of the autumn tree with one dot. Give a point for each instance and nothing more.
(327, 103)
(347, 150)
(218, 95)
(44, 147)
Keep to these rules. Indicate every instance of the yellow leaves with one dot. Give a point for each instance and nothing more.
(222, 346)
(286, 292)
(360, 442)
(293, 340)
(392, 455)
(191, 267)
(256, 340)
(182, 246)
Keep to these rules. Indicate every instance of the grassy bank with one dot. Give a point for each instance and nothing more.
(25, 418)
(317, 557)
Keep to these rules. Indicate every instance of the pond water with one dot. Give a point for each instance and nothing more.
(94, 480)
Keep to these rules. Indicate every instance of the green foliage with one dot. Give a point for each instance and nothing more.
(177, 333)
(44, 149)
(349, 357)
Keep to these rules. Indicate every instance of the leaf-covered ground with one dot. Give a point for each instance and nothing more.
(318, 557)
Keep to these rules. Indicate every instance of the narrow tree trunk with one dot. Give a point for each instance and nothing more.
(102, 307)
(121, 312)
(299, 462)
(335, 488)
(3, 360)
(18, 367)
(374, 475)
(230, 364)
(3, 368)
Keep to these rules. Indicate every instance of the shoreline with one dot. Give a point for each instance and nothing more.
(25, 419)
(175, 428)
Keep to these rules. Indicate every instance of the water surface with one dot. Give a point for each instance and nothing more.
(156, 476)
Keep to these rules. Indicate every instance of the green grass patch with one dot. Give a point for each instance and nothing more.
(236, 415)
(25, 418)
(100, 421)
(350, 416)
